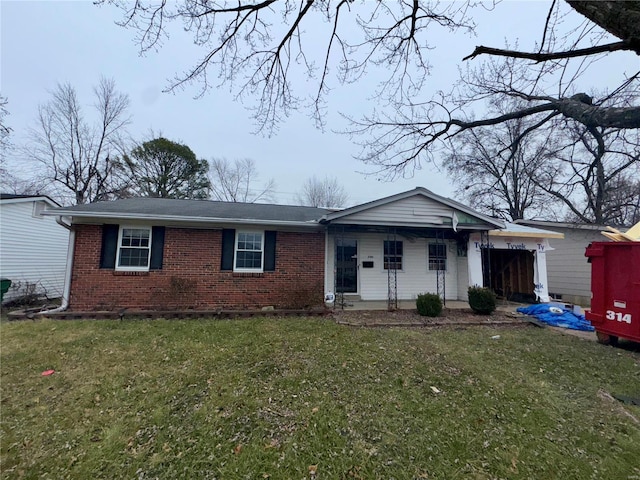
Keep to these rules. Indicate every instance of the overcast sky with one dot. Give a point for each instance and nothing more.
(47, 42)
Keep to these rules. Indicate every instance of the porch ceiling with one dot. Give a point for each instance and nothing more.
(444, 231)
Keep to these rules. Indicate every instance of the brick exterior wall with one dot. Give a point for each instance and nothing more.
(191, 277)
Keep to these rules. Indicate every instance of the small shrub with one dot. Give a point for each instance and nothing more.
(301, 296)
(429, 304)
(482, 300)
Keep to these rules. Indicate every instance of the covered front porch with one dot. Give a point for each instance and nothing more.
(391, 250)
(396, 248)
(395, 264)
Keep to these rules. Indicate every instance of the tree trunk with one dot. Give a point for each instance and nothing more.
(620, 18)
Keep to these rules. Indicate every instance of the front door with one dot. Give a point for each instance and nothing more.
(346, 265)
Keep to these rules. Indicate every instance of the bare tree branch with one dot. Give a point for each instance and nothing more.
(77, 155)
(237, 182)
(545, 57)
(326, 192)
(262, 48)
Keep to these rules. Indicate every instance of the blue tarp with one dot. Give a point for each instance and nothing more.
(561, 317)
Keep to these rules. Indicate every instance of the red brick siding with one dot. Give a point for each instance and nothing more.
(191, 275)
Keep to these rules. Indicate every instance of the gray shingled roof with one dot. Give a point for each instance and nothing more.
(203, 209)
(11, 196)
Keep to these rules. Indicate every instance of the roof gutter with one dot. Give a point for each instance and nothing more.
(68, 270)
(183, 219)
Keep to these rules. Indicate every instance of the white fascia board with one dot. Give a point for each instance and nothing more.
(181, 219)
(572, 226)
(47, 200)
(434, 226)
(533, 234)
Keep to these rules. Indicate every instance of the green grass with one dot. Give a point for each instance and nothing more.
(268, 398)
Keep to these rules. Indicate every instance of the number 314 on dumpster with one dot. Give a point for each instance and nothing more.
(619, 316)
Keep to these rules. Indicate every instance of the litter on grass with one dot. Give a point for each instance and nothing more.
(557, 315)
(46, 373)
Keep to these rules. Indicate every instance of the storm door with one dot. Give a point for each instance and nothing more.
(346, 265)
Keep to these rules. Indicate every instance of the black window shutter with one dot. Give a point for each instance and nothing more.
(269, 251)
(228, 246)
(109, 246)
(157, 248)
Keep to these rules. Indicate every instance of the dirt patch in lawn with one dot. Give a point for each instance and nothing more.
(411, 318)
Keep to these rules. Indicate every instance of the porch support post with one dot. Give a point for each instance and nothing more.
(329, 254)
(474, 263)
(540, 286)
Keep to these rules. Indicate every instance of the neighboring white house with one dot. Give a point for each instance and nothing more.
(568, 270)
(33, 248)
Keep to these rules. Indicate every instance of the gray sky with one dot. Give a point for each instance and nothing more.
(46, 42)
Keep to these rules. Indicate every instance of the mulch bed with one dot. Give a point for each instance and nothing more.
(359, 318)
(411, 318)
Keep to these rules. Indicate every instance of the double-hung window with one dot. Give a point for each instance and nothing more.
(249, 251)
(392, 255)
(437, 256)
(134, 249)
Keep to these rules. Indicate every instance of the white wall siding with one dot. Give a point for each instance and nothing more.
(569, 272)
(416, 210)
(414, 278)
(33, 249)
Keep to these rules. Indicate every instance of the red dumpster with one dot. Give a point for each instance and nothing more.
(615, 290)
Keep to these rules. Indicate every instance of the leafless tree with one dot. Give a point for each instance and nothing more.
(78, 156)
(265, 47)
(5, 176)
(560, 167)
(237, 181)
(326, 192)
(625, 196)
(594, 174)
(262, 47)
(259, 45)
(494, 168)
(9, 182)
(398, 141)
(4, 128)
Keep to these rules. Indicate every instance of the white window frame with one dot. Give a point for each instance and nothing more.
(235, 251)
(446, 257)
(129, 268)
(401, 256)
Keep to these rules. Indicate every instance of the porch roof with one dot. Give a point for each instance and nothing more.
(401, 210)
(518, 230)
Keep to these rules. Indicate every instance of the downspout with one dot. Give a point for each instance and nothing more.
(67, 274)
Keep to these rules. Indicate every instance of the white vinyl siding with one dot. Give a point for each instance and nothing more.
(33, 250)
(416, 210)
(568, 271)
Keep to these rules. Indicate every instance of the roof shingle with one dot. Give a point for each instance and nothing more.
(166, 207)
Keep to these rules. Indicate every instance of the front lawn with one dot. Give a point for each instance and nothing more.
(306, 398)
